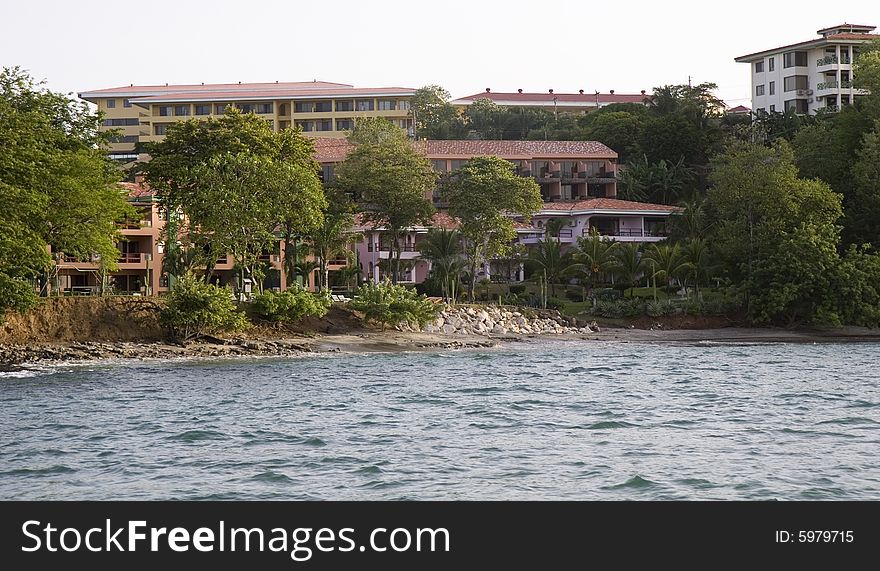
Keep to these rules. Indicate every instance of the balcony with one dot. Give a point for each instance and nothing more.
(827, 86)
(630, 234)
(831, 60)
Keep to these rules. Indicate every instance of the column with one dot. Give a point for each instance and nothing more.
(282, 248)
(837, 65)
(376, 273)
(521, 273)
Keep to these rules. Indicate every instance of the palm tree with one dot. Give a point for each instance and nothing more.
(628, 264)
(698, 260)
(549, 257)
(594, 256)
(306, 269)
(330, 240)
(666, 261)
(350, 275)
(442, 248)
(553, 226)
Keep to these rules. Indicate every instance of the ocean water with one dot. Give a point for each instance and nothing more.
(561, 420)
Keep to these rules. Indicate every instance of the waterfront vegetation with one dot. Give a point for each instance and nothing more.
(780, 219)
(386, 303)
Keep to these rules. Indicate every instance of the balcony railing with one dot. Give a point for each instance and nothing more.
(130, 258)
(825, 85)
(627, 232)
(403, 248)
(827, 60)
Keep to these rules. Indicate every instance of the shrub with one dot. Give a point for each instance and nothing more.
(618, 309)
(291, 305)
(517, 289)
(574, 295)
(556, 303)
(659, 308)
(195, 309)
(16, 294)
(392, 304)
(607, 294)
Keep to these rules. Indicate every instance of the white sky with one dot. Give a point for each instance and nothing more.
(465, 46)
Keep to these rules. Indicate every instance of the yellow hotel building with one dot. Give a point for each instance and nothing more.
(142, 113)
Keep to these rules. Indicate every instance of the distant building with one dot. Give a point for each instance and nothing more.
(580, 102)
(578, 181)
(739, 110)
(808, 76)
(143, 113)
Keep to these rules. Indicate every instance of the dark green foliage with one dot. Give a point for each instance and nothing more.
(195, 309)
(389, 304)
(292, 305)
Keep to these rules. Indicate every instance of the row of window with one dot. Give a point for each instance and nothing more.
(789, 59)
(120, 122)
(790, 83)
(298, 107)
(111, 103)
(305, 125)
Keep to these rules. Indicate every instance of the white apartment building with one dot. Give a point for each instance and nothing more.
(808, 76)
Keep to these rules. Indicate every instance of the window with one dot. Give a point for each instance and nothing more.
(794, 82)
(344, 105)
(364, 105)
(323, 107)
(771, 63)
(792, 59)
(759, 67)
(247, 107)
(799, 106)
(111, 104)
(403, 105)
(772, 109)
(126, 103)
(221, 108)
(439, 165)
(282, 109)
(306, 125)
(264, 108)
(456, 164)
(324, 125)
(326, 173)
(124, 139)
(772, 88)
(283, 125)
(760, 110)
(164, 110)
(181, 110)
(120, 122)
(759, 89)
(386, 105)
(303, 107)
(344, 124)
(160, 128)
(203, 109)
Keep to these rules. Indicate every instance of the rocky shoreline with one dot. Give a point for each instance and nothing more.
(494, 320)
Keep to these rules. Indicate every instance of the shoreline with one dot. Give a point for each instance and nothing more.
(14, 356)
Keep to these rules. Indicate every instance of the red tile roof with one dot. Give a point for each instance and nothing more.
(438, 220)
(739, 109)
(520, 149)
(335, 150)
(846, 25)
(254, 94)
(137, 190)
(615, 204)
(532, 99)
(159, 89)
(809, 43)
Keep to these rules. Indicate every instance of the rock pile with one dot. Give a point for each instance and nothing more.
(495, 320)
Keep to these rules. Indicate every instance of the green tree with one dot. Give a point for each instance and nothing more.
(331, 240)
(699, 263)
(292, 197)
(629, 265)
(775, 233)
(196, 309)
(594, 256)
(551, 261)
(487, 118)
(434, 116)
(620, 130)
(390, 304)
(291, 305)
(58, 190)
(482, 195)
(863, 204)
(666, 261)
(442, 248)
(391, 179)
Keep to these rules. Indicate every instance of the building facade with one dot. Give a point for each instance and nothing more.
(578, 181)
(809, 76)
(142, 113)
(576, 103)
